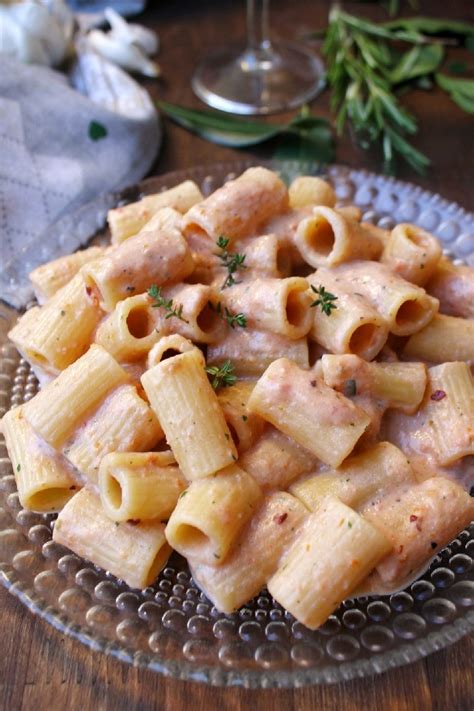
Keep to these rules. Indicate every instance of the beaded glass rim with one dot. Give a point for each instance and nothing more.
(171, 627)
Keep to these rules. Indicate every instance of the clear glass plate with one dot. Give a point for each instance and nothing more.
(171, 627)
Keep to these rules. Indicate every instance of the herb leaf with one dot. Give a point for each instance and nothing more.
(232, 261)
(461, 91)
(233, 320)
(239, 132)
(167, 304)
(221, 376)
(325, 300)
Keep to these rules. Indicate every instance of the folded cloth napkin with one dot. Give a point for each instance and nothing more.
(65, 144)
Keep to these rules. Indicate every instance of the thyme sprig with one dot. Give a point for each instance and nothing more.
(222, 376)
(232, 261)
(325, 299)
(168, 305)
(233, 320)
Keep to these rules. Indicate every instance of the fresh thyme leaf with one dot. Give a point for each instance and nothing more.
(325, 299)
(222, 376)
(167, 304)
(232, 319)
(232, 261)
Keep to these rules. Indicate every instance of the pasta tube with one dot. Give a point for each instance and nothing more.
(200, 319)
(189, 412)
(143, 486)
(123, 422)
(277, 305)
(256, 555)
(62, 405)
(48, 278)
(333, 552)
(445, 338)
(275, 460)
(354, 326)
(243, 425)
(44, 479)
(406, 308)
(210, 514)
(311, 190)
(303, 407)
(134, 553)
(126, 221)
(265, 256)
(160, 257)
(398, 385)
(251, 351)
(363, 477)
(328, 238)
(167, 347)
(418, 520)
(239, 207)
(454, 287)
(129, 332)
(412, 253)
(57, 334)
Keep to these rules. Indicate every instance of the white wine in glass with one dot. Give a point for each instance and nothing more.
(262, 78)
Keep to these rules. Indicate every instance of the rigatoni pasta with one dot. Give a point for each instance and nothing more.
(304, 408)
(282, 421)
(129, 219)
(134, 552)
(189, 412)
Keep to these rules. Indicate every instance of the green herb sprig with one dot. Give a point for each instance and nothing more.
(233, 320)
(222, 376)
(155, 293)
(325, 299)
(232, 261)
(367, 70)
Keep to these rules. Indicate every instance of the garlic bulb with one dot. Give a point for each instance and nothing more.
(36, 31)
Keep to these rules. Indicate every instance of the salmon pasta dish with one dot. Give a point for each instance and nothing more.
(259, 381)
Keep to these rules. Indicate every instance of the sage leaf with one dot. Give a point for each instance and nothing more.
(418, 61)
(238, 132)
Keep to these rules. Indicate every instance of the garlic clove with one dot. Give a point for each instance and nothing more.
(144, 38)
(125, 55)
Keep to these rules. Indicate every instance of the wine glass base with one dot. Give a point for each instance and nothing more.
(242, 81)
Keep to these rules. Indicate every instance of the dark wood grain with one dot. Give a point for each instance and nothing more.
(41, 669)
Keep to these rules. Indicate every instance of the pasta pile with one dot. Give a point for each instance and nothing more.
(259, 381)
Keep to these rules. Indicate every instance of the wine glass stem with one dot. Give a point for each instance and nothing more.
(258, 38)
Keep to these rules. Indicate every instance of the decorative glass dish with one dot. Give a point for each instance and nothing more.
(171, 627)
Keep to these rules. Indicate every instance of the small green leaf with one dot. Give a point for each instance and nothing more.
(97, 131)
(418, 61)
(461, 91)
(431, 26)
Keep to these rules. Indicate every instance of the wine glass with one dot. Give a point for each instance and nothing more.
(262, 78)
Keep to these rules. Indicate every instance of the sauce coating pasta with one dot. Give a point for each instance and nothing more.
(285, 367)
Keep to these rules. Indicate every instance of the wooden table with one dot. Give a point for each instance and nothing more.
(41, 669)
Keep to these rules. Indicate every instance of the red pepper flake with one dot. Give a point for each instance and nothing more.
(313, 383)
(438, 395)
(413, 518)
(400, 550)
(133, 521)
(88, 290)
(280, 518)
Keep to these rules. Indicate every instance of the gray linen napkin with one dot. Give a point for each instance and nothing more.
(62, 152)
